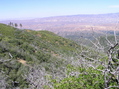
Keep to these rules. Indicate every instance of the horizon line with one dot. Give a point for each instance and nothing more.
(30, 18)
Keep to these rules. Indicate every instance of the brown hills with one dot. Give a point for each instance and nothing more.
(99, 22)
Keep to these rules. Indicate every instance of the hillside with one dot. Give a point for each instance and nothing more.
(43, 60)
(22, 50)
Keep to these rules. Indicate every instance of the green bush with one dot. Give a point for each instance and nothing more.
(88, 79)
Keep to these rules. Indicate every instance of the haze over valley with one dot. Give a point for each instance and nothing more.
(71, 22)
(74, 26)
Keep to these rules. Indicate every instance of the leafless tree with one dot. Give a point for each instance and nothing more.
(104, 55)
(111, 64)
(37, 78)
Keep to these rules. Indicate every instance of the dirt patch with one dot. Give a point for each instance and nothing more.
(22, 61)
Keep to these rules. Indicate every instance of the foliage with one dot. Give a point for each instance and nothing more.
(34, 47)
(87, 79)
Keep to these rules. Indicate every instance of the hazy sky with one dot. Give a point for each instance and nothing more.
(14, 9)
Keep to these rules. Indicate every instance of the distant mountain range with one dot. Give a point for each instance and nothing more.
(71, 23)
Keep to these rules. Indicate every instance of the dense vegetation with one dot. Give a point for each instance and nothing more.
(35, 48)
(42, 59)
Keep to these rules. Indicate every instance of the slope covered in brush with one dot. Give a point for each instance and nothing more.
(44, 60)
(21, 49)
